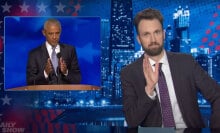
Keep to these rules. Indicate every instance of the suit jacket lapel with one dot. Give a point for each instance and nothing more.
(140, 70)
(44, 57)
(61, 48)
(176, 77)
(45, 54)
(175, 72)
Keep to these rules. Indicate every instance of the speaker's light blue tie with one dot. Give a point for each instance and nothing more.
(54, 59)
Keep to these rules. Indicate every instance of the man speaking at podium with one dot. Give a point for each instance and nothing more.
(53, 62)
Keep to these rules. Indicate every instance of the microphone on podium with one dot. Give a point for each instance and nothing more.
(58, 68)
(58, 55)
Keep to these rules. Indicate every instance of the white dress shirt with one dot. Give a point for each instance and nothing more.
(49, 49)
(175, 106)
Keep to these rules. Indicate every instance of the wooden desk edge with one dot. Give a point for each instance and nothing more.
(55, 87)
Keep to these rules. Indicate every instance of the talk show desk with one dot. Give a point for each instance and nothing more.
(55, 87)
(116, 129)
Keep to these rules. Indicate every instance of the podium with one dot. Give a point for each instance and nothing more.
(61, 87)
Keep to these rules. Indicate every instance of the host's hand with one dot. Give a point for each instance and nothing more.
(151, 76)
(48, 68)
(63, 67)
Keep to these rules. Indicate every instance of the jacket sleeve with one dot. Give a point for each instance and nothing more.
(74, 74)
(35, 70)
(210, 89)
(137, 106)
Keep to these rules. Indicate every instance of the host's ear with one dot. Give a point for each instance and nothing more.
(138, 39)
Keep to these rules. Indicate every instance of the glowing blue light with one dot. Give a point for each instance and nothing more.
(49, 102)
(204, 101)
(199, 101)
(91, 102)
(56, 104)
(103, 102)
(81, 101)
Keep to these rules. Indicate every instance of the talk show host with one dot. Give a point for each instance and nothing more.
(142, 91)
(40, 68)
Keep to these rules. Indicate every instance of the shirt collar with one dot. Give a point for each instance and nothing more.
(163, 60)
(50, 47)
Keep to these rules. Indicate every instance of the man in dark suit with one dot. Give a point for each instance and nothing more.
(40, 67)
(184, 78)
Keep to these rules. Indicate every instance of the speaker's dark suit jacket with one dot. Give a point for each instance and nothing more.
(188, 78)
(37, 61)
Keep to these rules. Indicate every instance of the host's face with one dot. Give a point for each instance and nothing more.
(52, 34)
(151, 36)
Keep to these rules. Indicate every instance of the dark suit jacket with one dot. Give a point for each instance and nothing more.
(37, 61)
(188, 78)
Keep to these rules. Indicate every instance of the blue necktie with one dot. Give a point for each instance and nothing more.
(167, 113)
(54, 59)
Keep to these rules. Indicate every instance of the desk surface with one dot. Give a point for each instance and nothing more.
(116, 129)
(55, 87)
